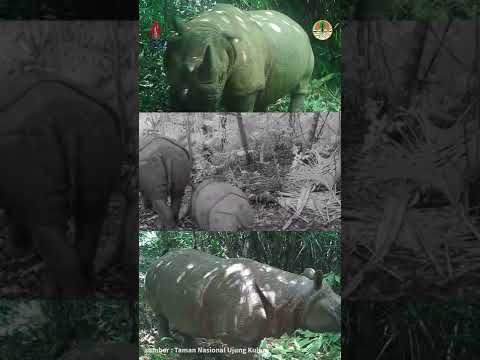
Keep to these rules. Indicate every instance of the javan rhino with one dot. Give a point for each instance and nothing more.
(238, 301)
(61, 153)
(219, 206)
(165, 168)
(247, 59)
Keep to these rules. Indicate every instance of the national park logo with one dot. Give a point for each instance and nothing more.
(322, 30)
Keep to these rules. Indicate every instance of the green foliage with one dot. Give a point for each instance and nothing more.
(325, 94)
(303, 345)
(290, 251)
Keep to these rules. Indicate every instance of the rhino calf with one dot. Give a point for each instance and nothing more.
(219, 206)
(245, 59)
(164, 172)
(238, 301)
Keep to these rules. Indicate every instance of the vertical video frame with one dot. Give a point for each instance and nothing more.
(239, 180)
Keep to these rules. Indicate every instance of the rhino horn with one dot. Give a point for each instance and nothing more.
(207, 64)
(179, 25)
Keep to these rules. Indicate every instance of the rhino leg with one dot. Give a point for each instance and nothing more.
(161, 324)
(89, 219)
(245, 103)
(297, 102)
(165, 214)
(62, 262)
(260, 107)
(176, 204)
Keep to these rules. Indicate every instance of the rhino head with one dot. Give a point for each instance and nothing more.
(322, 311)
(197, 62)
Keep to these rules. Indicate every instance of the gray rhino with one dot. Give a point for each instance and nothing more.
(219, 206)
(61, 153)
(245, 59)
(238, 301)
(164, 171)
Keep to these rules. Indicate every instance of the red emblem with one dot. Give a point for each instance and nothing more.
(155, 31)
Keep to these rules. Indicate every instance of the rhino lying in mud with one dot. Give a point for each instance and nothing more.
(246, 59)
(165, 168)
(238, 301)
(61, 153)
(219, 206)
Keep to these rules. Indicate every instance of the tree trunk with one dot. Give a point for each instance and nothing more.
(313, 130)
(243, 138)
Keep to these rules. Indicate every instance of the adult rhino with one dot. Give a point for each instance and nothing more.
(61, 153)
(238, 301)
(165, 168)
(245, 59)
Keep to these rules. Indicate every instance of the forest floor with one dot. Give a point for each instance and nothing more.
(22, 277)
(267, 218)
(268, 193)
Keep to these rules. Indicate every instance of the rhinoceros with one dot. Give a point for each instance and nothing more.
(165, 168)
(245, 59)
(61, 153)
(238, 301)
(219, 206)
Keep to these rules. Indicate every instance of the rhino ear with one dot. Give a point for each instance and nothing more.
(309, 273)
(179, 25)
(230, 37)
(318, 280)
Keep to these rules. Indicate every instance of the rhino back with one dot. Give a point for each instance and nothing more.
(166, 146)
(43, 141)
(36, 91)
(219, 206)
(291, 54)
(165, 167)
